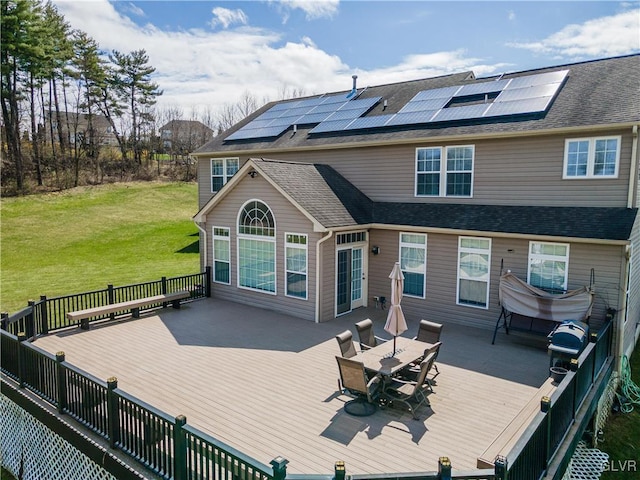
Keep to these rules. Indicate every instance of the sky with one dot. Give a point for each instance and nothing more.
(208, 54)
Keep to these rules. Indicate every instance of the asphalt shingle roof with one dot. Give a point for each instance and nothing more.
(335, 202)
(599, 92)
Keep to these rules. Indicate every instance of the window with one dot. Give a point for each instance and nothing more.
(256, 247)
(222, 169)
(548, 266)
(591, 157)
(474, 260)
(413, 263)
(296, 265)
(221, 255)
(452, 177)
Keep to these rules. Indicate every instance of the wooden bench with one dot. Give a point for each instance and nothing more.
(131, 305)
(507, 439)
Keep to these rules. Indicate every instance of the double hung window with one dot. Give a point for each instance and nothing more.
(548, 266)
(221, 255)
(413, 263)
(444, 171)
(222, 169)
(596, 157)
(296, 265)
(474, 261)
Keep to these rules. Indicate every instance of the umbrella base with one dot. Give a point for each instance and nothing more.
(359, 408)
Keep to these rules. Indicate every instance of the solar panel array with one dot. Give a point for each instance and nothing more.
(328, 108)
(334, 113)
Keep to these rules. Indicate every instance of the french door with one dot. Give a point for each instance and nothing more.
(350, 279)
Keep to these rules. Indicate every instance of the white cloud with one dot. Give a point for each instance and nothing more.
(131, 8)
(313, 9)
(227, 17)
(605, 36)
(511, 15)
(199, 68)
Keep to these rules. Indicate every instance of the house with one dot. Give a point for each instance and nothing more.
(184, 135)
(306, 204)
(79, 128)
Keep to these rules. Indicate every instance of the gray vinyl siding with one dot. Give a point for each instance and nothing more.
(288, 219)
(515, 171)
(204, 177)
(632, 323)
(328, 279)
(510, 254)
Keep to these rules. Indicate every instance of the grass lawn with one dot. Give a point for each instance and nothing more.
(622, 437)
(86, 238)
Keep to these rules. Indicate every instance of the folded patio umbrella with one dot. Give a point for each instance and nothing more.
(396, 323)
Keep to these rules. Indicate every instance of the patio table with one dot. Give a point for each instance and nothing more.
(382, 360)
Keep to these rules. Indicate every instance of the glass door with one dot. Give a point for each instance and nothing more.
(349, 279)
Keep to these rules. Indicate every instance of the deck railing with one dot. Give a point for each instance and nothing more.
(539, 445)
(174, 450)
(50, 314)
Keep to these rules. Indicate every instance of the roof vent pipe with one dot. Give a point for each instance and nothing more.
(353, 89)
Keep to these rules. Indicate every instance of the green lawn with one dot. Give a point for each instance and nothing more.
(86, 238)
(622, 437)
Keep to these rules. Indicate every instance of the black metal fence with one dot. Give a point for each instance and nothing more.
(50, 314)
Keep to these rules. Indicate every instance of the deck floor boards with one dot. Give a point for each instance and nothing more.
(266, 384)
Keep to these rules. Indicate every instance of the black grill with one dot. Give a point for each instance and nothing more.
(568, 340)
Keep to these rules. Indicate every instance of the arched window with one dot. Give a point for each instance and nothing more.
(256, 247)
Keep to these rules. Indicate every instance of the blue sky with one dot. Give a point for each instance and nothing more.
(208, 54)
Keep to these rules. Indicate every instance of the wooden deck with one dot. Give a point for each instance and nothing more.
(266, 384)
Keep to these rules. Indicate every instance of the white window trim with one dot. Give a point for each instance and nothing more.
(245, 236)
(224, 176)
(591, 158)
(286, 270)
(215, 237)
(415, 245)
(442, 187)
(488, 281)
(548, 257)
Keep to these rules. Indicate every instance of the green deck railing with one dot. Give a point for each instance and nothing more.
(172, 449)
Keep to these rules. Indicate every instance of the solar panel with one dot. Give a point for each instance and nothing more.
(345, 114)
(369, 122)
(329, 126)
(363, 103)
(460, 113)
(247, 133)
(411, 118)
(481, 88)
(420, 106)
(331, 99)
(284, 105)
(516, 107)
(527, 92)
(446, 92)
(538, 79)
(313, 118)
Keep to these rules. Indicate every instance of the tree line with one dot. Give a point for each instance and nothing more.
(74, 114)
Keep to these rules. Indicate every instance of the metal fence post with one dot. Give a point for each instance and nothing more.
(4, 319)
(21, 361)
(180, 449)
(444, 468)
(163, 285)
(30, 321)
(111, 299)
(500, 467)
(279, 465)
(339, 470)
(207, 280)
(113, 417)
(44, 315)
(62, 383)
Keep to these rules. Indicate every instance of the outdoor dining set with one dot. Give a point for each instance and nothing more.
(383, 373)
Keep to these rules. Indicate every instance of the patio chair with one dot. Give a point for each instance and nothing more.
(345, 340)
(365, 333)
(429, 332)
(355, 382)
(408, 392)
(413, 370)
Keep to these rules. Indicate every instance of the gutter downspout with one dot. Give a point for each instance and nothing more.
(634, 165)
(318, 289)
(204, 244)
(623, 310)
